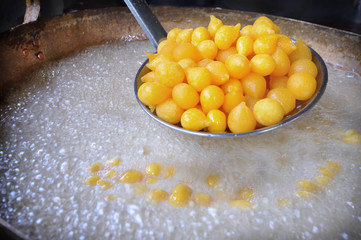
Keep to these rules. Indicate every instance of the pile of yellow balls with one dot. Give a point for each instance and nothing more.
(227, 79)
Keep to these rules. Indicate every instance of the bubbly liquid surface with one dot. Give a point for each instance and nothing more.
(82, 109)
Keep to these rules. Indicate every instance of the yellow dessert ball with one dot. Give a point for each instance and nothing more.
(226, 35)
(251, 101)
(218, 121)
(262, 19)
(265, 44)
(172, 34)
(284, 97)
(169, 73)
(169, 111)
(301, 52)
(204, 62)
(222, 55)
(241, 119)
(157, 60)
(149, 77)
(153, 93)
(254, 85)
(168, 49)
(198, 77)
(186, 63)
(263, 64)
(214, 25)
(302, 85)
(282, 63)
(208, 49)
(286, 44)
(231, 100)
(200, 34)
(238, 66)
(194, 119)
(162, 44)
(211, 97)
(232, 85)
(278, 82)
(244, 45)
(184, 36)
(261, 27)
(224, 76)
(247, 31)
(185, 96)
(268, 112)
(303, 65)
(186, 50)
(218, 71)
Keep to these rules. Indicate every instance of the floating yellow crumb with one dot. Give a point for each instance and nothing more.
(105, 184)
(131, 176)
(110, 173)
(333, 137)
(246, 194)
(151, 180)
(115, 161)
(156, 196)
(307, 186)
(351, 137)
(213, 180)
(138, 189)
(111, 197)
(303, 194)
(153, 169)
(241, 204)
(202, 199)
(283, 202)
(95, 167)
(169, 172)
(92, 180)
(180, 196)
(179, 199)
(334, 165)
(326, 171)
(322, 181)
(182, 188)
(222, 195)
(325, 122)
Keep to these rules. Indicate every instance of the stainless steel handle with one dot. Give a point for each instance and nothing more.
(147, 20)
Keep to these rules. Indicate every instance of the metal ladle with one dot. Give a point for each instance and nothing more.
(155, 33)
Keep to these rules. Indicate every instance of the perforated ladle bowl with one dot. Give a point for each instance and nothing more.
(155, 33)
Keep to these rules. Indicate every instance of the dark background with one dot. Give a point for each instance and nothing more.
(340, 14)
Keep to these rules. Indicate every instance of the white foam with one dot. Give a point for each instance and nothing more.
(82, 109)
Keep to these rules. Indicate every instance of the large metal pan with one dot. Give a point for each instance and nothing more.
(28, 46)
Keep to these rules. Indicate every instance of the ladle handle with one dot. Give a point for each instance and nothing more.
(147, 20)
